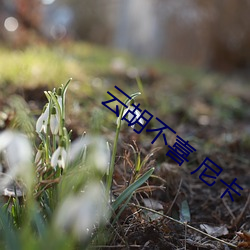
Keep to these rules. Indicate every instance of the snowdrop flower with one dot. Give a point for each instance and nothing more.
(59, 157)
(79, 214)
(98, 152)
(131, 117)
(54, 121)
(101, 155)
(17, 152)
(42, 122)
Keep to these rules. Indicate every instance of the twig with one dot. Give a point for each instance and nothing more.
(57, 180)
(49, 185)
(117, 246)
(118, 235)
(236, 221)
(228, 209)
(183, 223)
(173, 202)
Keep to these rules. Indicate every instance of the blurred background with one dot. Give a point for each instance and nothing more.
(193, 60)
(212, 34)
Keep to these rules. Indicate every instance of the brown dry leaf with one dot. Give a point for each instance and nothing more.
(245, 236)
(152, 204)
(155, 205)
(215, 231)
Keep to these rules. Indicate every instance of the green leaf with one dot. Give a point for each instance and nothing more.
(39, 222)
(138, 163)
(185, 212)
(128, 191)
(11, 237)
(122, 209)
(140, 86)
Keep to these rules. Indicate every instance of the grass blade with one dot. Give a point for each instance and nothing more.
(128, 191)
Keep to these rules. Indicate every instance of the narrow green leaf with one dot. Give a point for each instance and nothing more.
(138, 163)
(140, 86)
(185, 212)
(11, 237)
(122, 209)
(39, 222)
(128, 191)
(66, 86)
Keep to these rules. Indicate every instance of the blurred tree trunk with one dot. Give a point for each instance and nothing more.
(229, 35)
(28, 13)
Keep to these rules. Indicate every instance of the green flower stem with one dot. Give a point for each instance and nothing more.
(47, 137)
(66, 136)
(46, 150)
(54, 142)
(112, 164)
(140, 86)
(65, 87)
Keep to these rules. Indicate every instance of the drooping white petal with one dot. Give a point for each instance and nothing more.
(55, 156)
(76, 148)
(134, 115)
(44, 127)
(39, 123)
(138, 114)
(130, 117)
(98, 152)
(101, 155)
(59, 157)
(123, 114)
(46, 112)
(63, 159)
(59, 99)
(19, 151)
(42, 121)
(18, 156)
(5, 139)
(79, 214)
(64, 154)
(54, 124)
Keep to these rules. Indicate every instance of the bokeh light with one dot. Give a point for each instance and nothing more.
(58, 31)
(11, 24)
(48, 2)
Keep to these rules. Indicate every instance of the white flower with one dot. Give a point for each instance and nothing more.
(42, 122)
(100, 155)
(131, 116)
(59, 99)
(54, 121)
(79, 214)
(17, 152)
(98, 152)
(59, 157)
